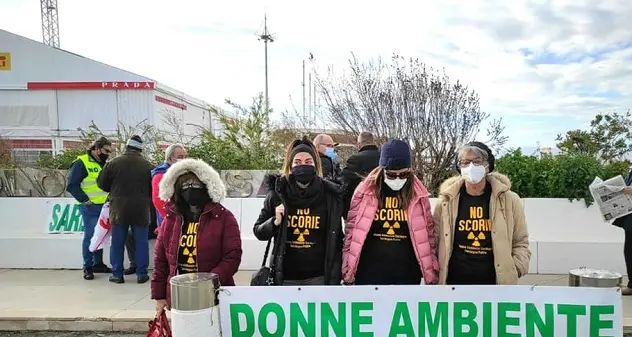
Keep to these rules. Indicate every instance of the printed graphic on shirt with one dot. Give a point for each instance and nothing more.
(302, 225)
(478, 231)
(392, 216)
(188, 248)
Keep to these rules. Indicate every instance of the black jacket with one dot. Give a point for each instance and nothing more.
(331, 169)
(359, 165)
(128, 180)
(264, 228)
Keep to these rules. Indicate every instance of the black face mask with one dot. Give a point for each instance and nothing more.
(103, 157)
(304, 174)
(197, 197)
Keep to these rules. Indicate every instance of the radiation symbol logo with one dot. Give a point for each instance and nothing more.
(191, 254)
(391, 227)
(476, 238)
(301, 235)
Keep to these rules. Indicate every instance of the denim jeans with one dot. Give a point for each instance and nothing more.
(131, 251)
(141, 247)
(90, 215)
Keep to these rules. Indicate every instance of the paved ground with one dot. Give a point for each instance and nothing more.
(62, 300)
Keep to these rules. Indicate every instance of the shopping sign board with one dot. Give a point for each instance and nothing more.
(64, 217)
(390, 311)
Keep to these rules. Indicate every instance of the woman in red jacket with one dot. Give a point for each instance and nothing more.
(198, 233)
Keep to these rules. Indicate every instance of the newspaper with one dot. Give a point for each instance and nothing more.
(609, 197)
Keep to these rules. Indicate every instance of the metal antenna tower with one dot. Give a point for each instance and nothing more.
(266, 37)
(50, 22)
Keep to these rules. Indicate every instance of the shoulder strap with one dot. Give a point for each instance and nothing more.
(265, 255)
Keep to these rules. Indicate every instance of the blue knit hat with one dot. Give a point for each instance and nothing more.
(395, 155)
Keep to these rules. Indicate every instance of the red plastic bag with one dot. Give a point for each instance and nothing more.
(159, 327)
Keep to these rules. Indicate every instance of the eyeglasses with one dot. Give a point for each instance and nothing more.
(394, 175)
(466, 162)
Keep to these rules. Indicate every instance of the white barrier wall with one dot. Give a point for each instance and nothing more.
(564, 235)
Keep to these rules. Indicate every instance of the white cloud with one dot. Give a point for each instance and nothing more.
(210, 51)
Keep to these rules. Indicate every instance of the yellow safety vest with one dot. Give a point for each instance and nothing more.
(89, 184)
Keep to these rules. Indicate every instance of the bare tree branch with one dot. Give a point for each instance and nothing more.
(407, 100)
(175, 124)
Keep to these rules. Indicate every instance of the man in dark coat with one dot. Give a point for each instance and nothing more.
(327, 153)
(128, 180)
(359, 165)
(625, 223)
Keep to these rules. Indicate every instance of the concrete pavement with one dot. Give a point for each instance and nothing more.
(60, 300)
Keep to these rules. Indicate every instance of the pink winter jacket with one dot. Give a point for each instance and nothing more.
(422, 230)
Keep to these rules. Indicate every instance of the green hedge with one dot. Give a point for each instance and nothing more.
(560, 176)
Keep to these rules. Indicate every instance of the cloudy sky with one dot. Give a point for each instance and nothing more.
(544, 66)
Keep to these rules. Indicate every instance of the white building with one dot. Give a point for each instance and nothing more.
(48, 94)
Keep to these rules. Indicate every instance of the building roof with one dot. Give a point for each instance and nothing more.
(31, 62)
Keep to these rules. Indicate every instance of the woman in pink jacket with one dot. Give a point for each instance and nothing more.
(389, 231)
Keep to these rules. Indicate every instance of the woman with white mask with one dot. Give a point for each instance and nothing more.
(390, 233)
(482, 232)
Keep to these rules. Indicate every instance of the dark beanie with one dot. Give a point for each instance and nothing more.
(135, 143)
(395, 155)
(490, 156)
(302, 148)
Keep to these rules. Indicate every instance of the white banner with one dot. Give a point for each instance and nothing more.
(64, 217)
(435, 311)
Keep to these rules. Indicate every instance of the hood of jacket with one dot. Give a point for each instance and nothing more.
(162, 168)
(451, 187)
(207, 175)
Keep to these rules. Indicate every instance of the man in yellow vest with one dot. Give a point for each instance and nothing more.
(82, 185)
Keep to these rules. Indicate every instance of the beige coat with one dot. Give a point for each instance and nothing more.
(510, 238)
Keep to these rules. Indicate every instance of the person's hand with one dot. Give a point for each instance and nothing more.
(279, 214)
(627, 190)
(156, 230)
(160, 306)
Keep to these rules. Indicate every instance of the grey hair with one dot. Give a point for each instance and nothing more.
(171, 149)
(480, 153)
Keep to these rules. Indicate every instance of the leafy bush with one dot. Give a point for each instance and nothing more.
(247, 143)
(62, 161)
(562, 176)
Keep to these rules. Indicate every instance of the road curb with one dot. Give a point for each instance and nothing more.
(107, 321)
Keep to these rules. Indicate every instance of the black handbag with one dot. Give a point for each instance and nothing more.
(265, 275)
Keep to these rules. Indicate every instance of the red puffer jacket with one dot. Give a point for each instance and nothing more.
(218, 248)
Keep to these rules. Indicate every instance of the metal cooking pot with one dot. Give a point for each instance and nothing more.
(584, 277)
(194, 291)
(575, 274)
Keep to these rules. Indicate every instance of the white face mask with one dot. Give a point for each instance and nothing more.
(395, 184)
(473, 174)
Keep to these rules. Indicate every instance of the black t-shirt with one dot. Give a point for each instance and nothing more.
(472, 260)
(187, 252)
(388, 256)
(306, 240)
